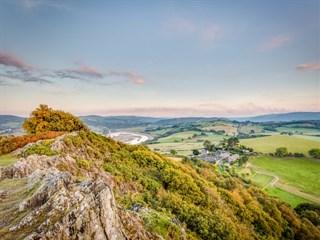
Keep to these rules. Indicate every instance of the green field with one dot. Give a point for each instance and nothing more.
(285, 196)
(301, 173)
(7, 159)
(261, 179)
(300, 144)
(184, 142)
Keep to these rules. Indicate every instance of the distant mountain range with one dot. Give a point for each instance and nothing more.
(10, 123)
(281, 117)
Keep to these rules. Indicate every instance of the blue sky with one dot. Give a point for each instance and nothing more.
(160, 58)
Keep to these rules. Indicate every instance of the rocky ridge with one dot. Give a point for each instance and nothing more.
(42, 197)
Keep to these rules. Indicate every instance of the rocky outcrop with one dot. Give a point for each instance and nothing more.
(42, 197)
(65, 196)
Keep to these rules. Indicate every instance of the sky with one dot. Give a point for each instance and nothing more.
(214, 58)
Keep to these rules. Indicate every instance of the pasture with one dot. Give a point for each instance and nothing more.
(293, 180)
(295, 144)
(184, 142)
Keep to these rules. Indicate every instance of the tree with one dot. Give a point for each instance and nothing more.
(281, 152)
(173, 152)
(233, 142)
(45, 119)
(195, 152)
(243, 160)
(314, 152)
(207, 145)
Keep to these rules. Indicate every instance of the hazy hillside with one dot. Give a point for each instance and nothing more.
(282, 117)
(10, 124)
(116, 122)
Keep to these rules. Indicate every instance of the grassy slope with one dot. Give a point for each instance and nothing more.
(302, 173)
(210, 205)
(7, 159)
(293, 143)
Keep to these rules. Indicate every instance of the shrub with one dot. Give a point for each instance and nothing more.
(45, 119)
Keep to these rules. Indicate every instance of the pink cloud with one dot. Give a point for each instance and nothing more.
(132, 77)
(86, 70)
(304, 67)
(276, 41)
(11, 60)
(211, 33)
(138, 81)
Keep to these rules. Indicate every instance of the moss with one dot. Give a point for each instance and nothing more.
(84, 164)
(40, 149)
(161, 224)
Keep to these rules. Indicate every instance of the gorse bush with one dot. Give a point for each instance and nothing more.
(45, 119)
(11, 143)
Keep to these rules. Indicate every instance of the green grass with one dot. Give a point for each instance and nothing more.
(181, 142)
(247, 129)
(302, 173)
(308, 131)
(7, 159)
(285, 196)
(261, 179)
(301, 144)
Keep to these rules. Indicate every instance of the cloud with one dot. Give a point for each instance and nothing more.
(17, 69)
(11, 60)
(37, 4)
(131, 77)
(89, 71)
(276, 42)
(304, 67)
(201, 110)
(37, 80)
(181, 26)
(211, 33)
(25, 77)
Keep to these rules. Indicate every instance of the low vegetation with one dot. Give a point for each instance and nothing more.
(11, 143)
(45, 119)
(210, 205)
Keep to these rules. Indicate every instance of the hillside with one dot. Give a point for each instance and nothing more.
(10, 124)
(282, 117)
(86, 186)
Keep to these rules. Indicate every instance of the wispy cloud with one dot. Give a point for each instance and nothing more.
(179, 26)
(211, 33)
(82, 72)
(304, 67)
(17, 69)
(131, 77)
(37, 4)
(201, 110)
(276, 42)
(11, 60)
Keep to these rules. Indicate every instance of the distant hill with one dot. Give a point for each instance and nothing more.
(115, 122)
(10, 124)
(187, 119)
(281, 117)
